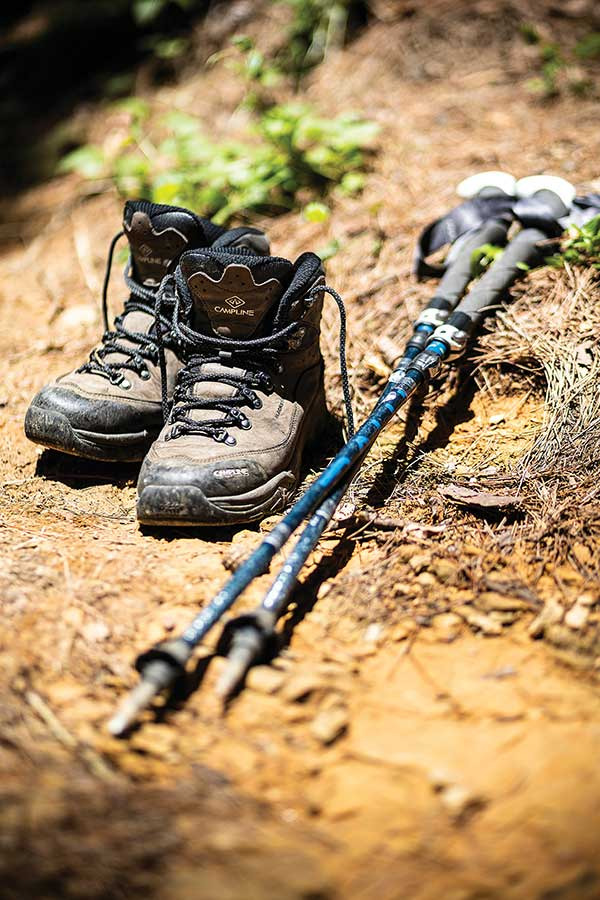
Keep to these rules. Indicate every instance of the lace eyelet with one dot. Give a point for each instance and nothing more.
(245, 424)
(145, 375)
(124, 384)
(257, 403)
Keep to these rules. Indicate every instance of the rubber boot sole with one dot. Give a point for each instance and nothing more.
(186, 504)
(54, 431)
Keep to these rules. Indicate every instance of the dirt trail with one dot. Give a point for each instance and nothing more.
(412, 740)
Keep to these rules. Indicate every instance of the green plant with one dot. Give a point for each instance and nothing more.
(483, 257)
(552, 64)
(258, 72)
(561, 68)
(173, 161)
(146, 11)
(316, 27)
(581, 247)
(589, 46)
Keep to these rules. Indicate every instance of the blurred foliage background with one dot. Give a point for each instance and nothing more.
(57, 58)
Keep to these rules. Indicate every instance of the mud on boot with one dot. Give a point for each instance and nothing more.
(110, 407)
(250, 396)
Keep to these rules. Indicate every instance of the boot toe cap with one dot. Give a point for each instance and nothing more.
(222, 478)
(100, 415)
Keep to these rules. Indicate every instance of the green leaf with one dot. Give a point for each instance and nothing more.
(316, 212)
(145, 11)
(589, 46)
(87, 161)
(166, 188)
(171, 48)
(329, 250)
(139, 109)
(352, 182)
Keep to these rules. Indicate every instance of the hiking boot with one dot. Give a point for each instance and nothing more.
(250, 395)
(110, 407)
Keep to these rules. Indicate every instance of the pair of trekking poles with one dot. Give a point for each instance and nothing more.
(543, 206)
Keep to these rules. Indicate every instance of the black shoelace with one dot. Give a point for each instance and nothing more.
(141, 347)
(249, 362)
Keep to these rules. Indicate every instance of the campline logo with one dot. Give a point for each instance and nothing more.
(145, 253)
(235, 303)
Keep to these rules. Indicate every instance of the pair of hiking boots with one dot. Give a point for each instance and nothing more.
(212, 374)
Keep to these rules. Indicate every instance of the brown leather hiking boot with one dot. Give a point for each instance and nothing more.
(110, 407)
(250, 395)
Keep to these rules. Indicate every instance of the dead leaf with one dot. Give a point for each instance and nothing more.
(468, 496)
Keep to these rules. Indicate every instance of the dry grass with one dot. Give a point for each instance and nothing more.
(551, 332)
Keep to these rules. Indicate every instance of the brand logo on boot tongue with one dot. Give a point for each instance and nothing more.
(234, 302)
(146, 255)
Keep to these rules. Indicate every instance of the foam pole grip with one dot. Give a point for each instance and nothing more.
(522, 252)
(458, 274)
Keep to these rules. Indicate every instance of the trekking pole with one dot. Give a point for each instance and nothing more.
(248, 638)
(164, 663)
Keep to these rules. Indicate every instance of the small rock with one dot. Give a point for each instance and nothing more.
(268, 523)
(95, 632)
(344, 511)
(373, 633)
(459, 801)
(403, 630)
(446, 626)
(330, 724)
(444, 570)
(551, 614)
(577, 616)
(480, 621)
(419, 562)
(489, 600)
(324, 589)
(244, 535)
(155, 740)
(406, 552)
(505, 617)
(299, 687)
(264, 679)
(425, 579)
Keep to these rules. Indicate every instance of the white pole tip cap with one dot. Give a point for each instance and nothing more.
(527, 187)
(502, 182)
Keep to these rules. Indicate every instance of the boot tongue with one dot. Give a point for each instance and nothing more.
(234, 294)
(157, 236)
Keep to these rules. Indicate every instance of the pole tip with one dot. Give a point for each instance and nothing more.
(238, 662)
(134, 703)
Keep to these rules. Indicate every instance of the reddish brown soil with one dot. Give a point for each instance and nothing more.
(467, 763)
